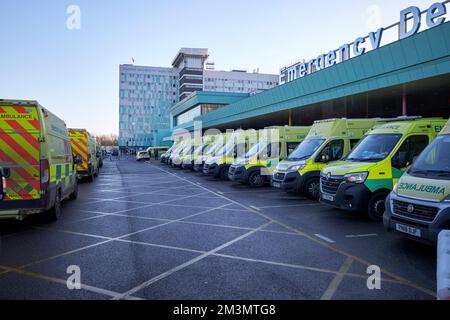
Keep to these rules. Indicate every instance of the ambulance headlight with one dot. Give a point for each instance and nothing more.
(356, 178)
(296, 168)
(395, 190)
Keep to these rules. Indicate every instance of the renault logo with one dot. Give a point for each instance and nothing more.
(410, 208)
(329, 175)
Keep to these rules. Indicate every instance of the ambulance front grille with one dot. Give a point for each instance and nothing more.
(331, 185)
(415, 211)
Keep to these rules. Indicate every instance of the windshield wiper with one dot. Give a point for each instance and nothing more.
(440, 173)
(298, 159)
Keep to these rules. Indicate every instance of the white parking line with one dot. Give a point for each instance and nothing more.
(187, 264)
(86, 287)
(324, 238)
(292, 206)
(352, 236)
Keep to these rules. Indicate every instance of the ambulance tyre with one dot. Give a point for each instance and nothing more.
(224, 174)
(312, 189)
(74, 194)
(256, 180)
(377, 206)
(55, 213)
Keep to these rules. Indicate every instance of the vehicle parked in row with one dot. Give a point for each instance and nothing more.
(363, 180)
(209, 151)
(236, 144)
(99, 153)
(143, 155)
(328, 141)
(156, 152)
(176, 157)
(83, 145)
(166, 155)
(256, 168)
(196, 157)
(38, 169)
(419, 205)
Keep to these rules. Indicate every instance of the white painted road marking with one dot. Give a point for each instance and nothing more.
(352, 236)
(324, 238)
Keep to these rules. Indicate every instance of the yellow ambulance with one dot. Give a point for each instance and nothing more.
(274, 145)
(328, 141)
(84, 146)
(38, 170)
(236, 144)
(419, 205)
(363, 180)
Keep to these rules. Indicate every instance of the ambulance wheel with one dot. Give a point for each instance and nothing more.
(74, 194)
(377, 206)
(256, 180)
(224, 174)
(312, 189)
(55, 213)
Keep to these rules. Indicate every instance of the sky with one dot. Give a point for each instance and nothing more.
(74, 72)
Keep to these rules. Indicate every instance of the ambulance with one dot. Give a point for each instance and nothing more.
(84, 146)
(236, 144)
(274, 145)
(209, 151)
(419, 205)
(165, 156)
(328, 141)
(38, 169)
(176, 156)
(363, 180)
(196, 157)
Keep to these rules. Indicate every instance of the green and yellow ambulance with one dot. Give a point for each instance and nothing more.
(165, 156)
(363, 180)
(419, 205)
(217, 142)
(185, 149)
(274, 145)
(175, 151)
(38, 169)
(196, 155)
(328, 141)
(236, 145)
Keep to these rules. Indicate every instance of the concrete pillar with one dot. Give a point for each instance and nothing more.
(404, 102)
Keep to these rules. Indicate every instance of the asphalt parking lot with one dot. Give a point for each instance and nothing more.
(146, 231)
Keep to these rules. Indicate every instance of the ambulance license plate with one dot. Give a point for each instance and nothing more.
(277, 185)
(328, 197)
(409, 230)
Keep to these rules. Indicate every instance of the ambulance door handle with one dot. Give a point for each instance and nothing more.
(382, 173)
